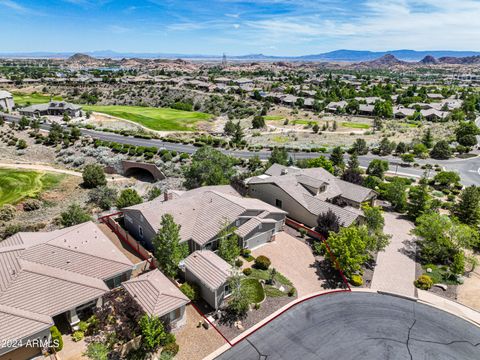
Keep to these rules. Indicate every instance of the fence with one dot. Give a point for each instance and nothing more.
(310, 232)
(110, 221)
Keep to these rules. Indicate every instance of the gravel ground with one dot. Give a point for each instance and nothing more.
(269, 306)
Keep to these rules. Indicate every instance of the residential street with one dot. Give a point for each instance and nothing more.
(395, 270)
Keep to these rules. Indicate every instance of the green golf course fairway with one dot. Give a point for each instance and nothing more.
(162, 119)
(33, 98)
(16, 185)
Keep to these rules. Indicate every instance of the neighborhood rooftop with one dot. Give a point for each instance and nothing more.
(155, 293)
(208, 267)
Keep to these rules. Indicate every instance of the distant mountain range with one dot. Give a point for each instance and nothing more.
(337, 55)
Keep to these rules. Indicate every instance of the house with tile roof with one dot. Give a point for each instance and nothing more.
(6, 101)
(158, 296)
(202, 213)
(55, 276)
(306, 193)
(210, 273)
(58, 108)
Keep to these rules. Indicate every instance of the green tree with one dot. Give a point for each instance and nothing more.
(327, 222)
(169, 250)
(238, 134)
(278, 156)
(209, 167)
(427, 139)
(23, 123)
(353, 173)
(418, 200)
(229, 128)
(360, 147)
(396, 194)
(153, 332)
(386, 147)
(238, 303)
(468, 208)
(74, 215)
(420, 150)
(446, 179)
(319, 162)
(349, 247)
(375, 223)
(458, 263)
(128, 197)
(441, 151)
(466, 133)
(377, 168)
(228, 248)
(441, 237)
(336, 157)
(401, 148)
(93, 176)
(57, 340)
(258, 122)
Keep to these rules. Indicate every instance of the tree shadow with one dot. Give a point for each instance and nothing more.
(409, 249)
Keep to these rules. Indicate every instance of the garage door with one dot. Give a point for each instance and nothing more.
(259, 239)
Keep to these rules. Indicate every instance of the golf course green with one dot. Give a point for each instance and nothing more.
(16, 185)
(22, 99)
(161, 119)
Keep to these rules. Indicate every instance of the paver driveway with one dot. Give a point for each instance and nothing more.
(395, 270)
(295, 260)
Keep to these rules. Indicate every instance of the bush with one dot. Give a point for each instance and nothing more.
(423, 282)
(291, 292)
(7, 212)
(97, 351)
(262, 262)
(302, 232)
(31, 204)
(57, 341)
(356, 280)
(74, 215)
(238, 263)
(78, 335)
(93, 176)
(83, 326)
(246, 252)
(103, 196)
(247, 271)
(190, 290)
(128, 197)
(171, 348)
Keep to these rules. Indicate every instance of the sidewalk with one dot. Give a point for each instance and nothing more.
(395, 270)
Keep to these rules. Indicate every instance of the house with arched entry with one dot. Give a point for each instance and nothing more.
(54, 108)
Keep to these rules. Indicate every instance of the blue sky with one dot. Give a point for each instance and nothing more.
(276, 27)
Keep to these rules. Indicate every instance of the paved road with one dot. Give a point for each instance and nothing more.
(357, 326)
(395, 270)
(469, 169)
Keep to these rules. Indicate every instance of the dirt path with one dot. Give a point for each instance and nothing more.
(38, 167)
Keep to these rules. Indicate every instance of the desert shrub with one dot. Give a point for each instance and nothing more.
(74, 215)
(128, 197)
(262, 262)
(247, 271)
(31, 204)
(57, 341)
(78, 335)
(356, 280)
(171, 348)
(238, 263)
(103, 196)
(190, 290)
(97, 351)
(423, 282)
(7, 212)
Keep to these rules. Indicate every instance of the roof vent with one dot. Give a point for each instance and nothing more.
(284, 171)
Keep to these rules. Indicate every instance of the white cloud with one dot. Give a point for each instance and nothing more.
(117, 29)
(12, 5)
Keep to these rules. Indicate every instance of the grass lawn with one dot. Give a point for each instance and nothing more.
(273, 117)
(272, 291)
(254, 290)
(354, 125)
(265, 275)
(16, 185)
(303, 122)
(439, 274)
(163, 119)
(280, 139)
(33, 98)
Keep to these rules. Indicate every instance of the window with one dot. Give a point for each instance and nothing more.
(237, 222)
(140, 231)
(278, 203)
(227, 290)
